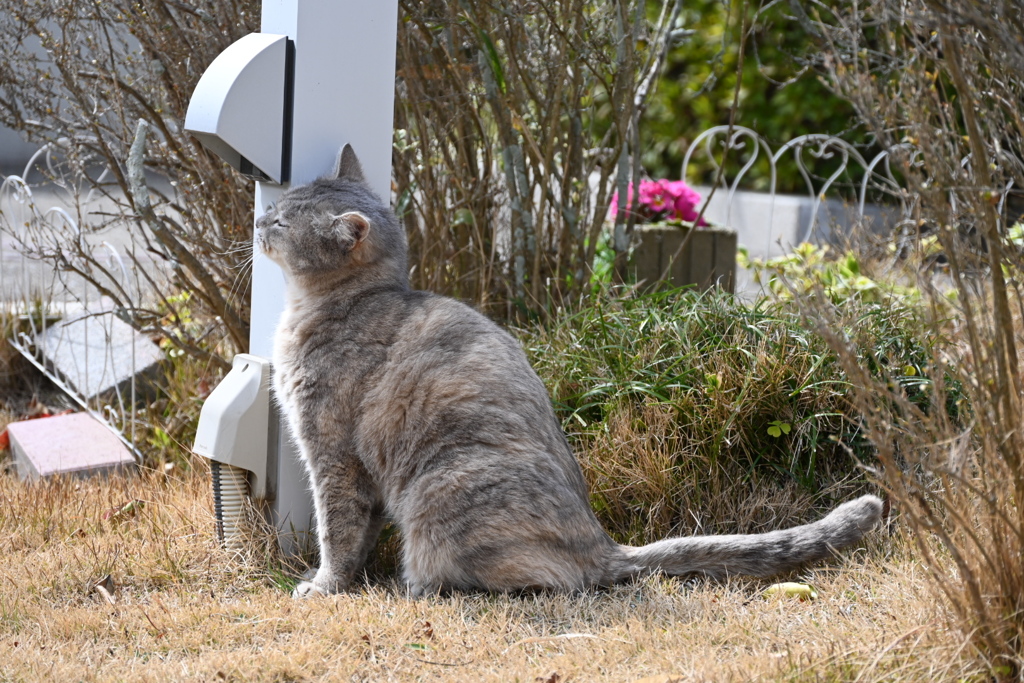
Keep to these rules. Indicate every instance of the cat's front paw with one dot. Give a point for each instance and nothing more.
(307, 589)
(321, 583)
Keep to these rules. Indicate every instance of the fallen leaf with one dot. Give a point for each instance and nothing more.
(105, 587)
(417, 646)
(126, 511)
(661, 678)
(553, 677)
(804, 591)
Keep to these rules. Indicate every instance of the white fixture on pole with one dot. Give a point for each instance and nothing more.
(232, 433)
(255, 69)
(322, 73)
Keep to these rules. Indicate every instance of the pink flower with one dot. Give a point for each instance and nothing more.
(655, 195)
(686, 203)
(661, 200)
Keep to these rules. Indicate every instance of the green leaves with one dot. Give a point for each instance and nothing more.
(777, 428)
(810, 269)
(707, 378)
(493, 61)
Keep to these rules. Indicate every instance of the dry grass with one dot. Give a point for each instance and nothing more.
(184, 610)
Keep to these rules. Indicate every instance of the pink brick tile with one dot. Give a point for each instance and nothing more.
(73, 444)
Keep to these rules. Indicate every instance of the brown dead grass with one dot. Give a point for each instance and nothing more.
(184, 610)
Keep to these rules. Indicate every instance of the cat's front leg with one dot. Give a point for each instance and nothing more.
(308, 588)
(348, 519)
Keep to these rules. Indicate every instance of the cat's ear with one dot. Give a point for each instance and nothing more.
(352, 227)
(347, 167)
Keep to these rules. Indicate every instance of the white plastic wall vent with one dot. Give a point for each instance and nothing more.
(232, 433)
(241, 107)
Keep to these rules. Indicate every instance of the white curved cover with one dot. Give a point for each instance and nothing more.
(234, 421)
(237, 108)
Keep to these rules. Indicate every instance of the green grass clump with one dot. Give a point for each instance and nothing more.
(699, 413)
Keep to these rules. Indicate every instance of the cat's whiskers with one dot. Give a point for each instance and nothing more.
(242, 278)
(236, 248)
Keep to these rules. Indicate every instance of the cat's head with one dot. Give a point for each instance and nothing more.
(335, 228)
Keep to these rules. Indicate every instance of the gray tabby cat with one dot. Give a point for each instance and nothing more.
(413, 406)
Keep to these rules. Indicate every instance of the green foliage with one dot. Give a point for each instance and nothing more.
(779, 98)
(808, 269)
(663, 391)
(777, 428)
(809, 273)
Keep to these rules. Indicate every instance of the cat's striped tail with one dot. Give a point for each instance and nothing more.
(759, 555)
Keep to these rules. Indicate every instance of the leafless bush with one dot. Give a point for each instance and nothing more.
(517, 121)
(79, 77)
(945, 78)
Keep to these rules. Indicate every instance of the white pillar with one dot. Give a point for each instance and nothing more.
(344, 78)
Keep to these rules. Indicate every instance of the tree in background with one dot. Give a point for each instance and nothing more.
(781, 94)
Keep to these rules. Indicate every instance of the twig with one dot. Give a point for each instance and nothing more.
(140, 197)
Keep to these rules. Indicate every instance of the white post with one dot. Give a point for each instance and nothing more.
(344, 79)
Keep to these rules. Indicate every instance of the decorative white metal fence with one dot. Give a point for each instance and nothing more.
(56, 316)
(862, 190)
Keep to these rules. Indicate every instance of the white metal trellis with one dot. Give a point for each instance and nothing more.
(746, 147)
(876, 175)
(56, 318)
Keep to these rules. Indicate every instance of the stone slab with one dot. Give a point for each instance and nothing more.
(94, 352)
(76, 444)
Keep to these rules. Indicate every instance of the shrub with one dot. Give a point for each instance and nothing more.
(683, 404)
(514, 128)
(810, 269)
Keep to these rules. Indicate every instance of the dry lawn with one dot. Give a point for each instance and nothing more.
(181, 609)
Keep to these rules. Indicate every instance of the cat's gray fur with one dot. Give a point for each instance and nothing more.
(413, 406)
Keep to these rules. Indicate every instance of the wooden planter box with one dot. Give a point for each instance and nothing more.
(708, 259)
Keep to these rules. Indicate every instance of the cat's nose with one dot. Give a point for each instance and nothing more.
(260, 239)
